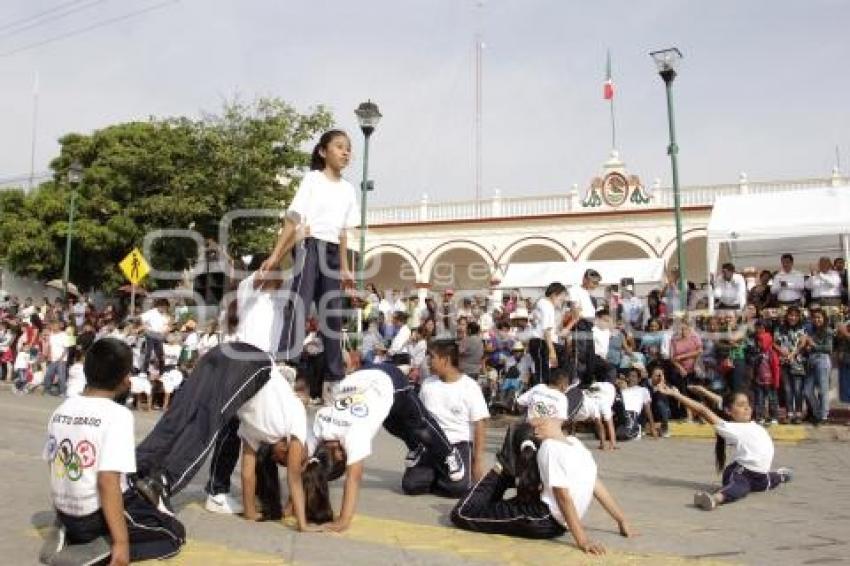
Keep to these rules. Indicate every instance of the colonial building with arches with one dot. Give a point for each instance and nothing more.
(467, 245)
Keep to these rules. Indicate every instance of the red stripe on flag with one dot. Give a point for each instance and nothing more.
(608, 90)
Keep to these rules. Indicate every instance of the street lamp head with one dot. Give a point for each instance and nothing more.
(75, 173)
(368, 116)
(667, 62)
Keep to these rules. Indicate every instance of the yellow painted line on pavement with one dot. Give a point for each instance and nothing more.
(780, 433)
(490, 548)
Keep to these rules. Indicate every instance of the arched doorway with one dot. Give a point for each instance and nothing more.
(617, 249)
(390, 270)
(460, 267)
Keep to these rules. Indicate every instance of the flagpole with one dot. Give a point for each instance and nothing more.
(613, 126)
(35, 89)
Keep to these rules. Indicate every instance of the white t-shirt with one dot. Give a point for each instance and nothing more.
(793, 288)
(260, 315)
(327, 207)
(87, 435)
(543, 318)
(543, 401)
(753, 446)
(400, 340)
(207, 343)
(361, 403)
(455, 405)
(171, 353)
(597, 402)
(76, 380)
(154, 321)
(274, 413)
(825, 285)
(58, 346)
(634, 398)
(582, 302)
(601, 341)
(567, 464)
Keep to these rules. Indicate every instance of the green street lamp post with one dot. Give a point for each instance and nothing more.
(667, 60)
(368, 116)
(75, 176)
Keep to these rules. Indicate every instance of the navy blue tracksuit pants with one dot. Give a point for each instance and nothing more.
(316, 280)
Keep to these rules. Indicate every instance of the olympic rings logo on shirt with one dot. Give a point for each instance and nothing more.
(70, 461)
(354, 403)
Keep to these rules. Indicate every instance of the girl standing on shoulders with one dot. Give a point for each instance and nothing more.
(750, 467)
(327, 203)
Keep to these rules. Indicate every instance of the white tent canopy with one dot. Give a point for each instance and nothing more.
(757, 228)
(539, 274)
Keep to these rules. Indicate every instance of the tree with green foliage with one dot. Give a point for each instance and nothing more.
(161, 174)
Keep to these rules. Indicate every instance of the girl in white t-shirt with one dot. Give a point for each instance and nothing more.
(555, 486)
(547, 400)
(327, 203)
(635, 401)
(753, 456)
(541, 346)
(598, 407)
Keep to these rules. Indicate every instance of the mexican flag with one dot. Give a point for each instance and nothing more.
(608, 87)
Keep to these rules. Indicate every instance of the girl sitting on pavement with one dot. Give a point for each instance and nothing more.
(750, 467)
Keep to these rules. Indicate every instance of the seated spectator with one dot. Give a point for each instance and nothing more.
(634, 409)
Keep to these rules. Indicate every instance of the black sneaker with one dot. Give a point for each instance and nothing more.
(414, 456)
(454, 463)
(155, 493)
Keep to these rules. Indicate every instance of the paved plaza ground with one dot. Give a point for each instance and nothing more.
(806, 522)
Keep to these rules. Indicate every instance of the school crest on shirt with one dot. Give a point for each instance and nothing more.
(355, 403)
(69, 460)
(541, 409)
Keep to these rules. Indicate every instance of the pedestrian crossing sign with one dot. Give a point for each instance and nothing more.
(134, 266)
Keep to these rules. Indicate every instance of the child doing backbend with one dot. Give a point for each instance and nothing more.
(750, 468)
(555, 486)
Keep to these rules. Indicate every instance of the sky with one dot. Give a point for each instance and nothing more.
(760, 87)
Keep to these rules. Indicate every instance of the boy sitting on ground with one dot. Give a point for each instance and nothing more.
(90, 450)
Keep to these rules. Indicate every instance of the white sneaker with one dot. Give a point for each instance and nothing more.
(223, 503)
(455, 466)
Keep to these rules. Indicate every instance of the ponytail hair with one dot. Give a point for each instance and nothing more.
(317, 162)
(317, 500)
(528, 482)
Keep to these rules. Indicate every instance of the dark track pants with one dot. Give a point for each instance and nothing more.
(429, 476)
(224, 379)
(738, 482)
(153, 534)
(484, 510)
(316, 264)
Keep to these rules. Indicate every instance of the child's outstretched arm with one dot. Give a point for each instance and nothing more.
(353, 477)
(568, 510)
(713, 397)
(604, 497)
(695, 406)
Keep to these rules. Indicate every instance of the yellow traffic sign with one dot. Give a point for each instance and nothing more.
(134, 266)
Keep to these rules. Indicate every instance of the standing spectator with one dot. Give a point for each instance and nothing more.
(788, 284)
(766, 373)
(209, 339)
(670, 293)
(633, 309)
(57, 356)
(711, 357)
(416, 312)
(842, 358)
(685, 351)
(156, 325)
(7, 354)
(840, 268)
(655, 308)
(542, 344)
(78, 310)
(584, 316)
(788, 341)
(86, 337)
(471, 350)
(602, 333)
(825, 284)
(819, 343)
(760, 294)
(652, 341)
(731, 289)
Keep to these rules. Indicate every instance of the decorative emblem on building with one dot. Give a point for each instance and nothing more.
(616, 188)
